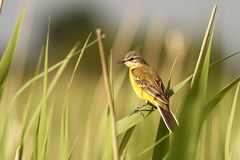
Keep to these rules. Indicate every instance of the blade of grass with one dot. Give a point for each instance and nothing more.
(108, 91)
(27, 107)
(18, 153)
(48, 130)
(63, 147)
(217, 98)
(78, 60)
(8, 53)
(230, 124)
(188, 132)
(50, 88)
(172, 68)
(153, 145)
(108, 149)
(105, 130)
(160, 151)
(177, 87)
(72, 149)
(42, 131)
(52, 68)
(126, 139)
(5, 64)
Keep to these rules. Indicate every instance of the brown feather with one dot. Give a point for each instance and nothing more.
(150, 82)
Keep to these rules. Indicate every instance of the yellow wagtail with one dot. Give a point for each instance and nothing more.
(149, 87)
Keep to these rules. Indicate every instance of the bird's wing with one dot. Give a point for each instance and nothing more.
(147, 78)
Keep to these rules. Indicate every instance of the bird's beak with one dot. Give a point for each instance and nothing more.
(121, 62)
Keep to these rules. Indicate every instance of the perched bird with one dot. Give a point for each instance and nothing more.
(149, 87)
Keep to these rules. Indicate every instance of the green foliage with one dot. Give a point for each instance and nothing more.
(189, 130)
(5, 64)
(8, 54)
(230, 124)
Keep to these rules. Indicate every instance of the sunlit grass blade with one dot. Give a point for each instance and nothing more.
(204, 44)
(107, 146)
(72, 149)
(190, 117)
(208, 108)
(50, 88)
(108, 150)
(227, 152)
(78, 60)
(161, 150)
(63, 147)
(125, 140)
(5, 64)
(27, 108)
(18, 153)
(148, 149)
(106, 142)
(170, 74)
(42, 130)
(9, 52)
(181, 84)
(48, 131)
(52, 68)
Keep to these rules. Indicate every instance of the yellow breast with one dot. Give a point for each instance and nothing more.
(139, 91)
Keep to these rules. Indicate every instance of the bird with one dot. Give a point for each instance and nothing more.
(149, 87)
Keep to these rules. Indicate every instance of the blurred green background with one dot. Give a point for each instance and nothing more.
(159, 30)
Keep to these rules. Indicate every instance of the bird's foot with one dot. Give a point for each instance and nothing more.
(139, 109)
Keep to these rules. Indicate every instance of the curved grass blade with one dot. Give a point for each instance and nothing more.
(170, 75)
(42, 135)
(63, 147)
(72, 149)
(217, 98)
(190, 117)
(52, 68)
(125, 139)
(9, 52)
(230, 124)
(5, 64)
(160, 151)
(153, 145)
(204, 43)
(27, 108)
(50, 88)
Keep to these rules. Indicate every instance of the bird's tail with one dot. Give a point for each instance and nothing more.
(169, 119)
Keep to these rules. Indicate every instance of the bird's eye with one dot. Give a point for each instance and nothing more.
(130, 59)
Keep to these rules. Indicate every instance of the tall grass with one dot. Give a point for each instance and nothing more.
(65, 113)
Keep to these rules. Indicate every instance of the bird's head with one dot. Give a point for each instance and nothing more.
(133, 60)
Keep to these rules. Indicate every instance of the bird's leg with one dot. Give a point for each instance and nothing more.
(139, 109)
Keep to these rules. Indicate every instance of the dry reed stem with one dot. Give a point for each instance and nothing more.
(204, 43)
(108, 92)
